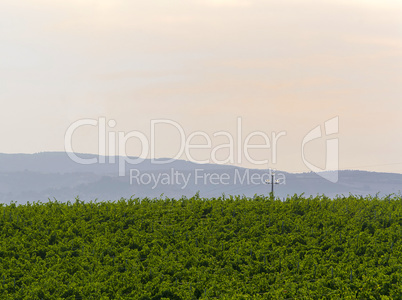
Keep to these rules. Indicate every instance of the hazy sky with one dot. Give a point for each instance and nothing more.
(282, 66)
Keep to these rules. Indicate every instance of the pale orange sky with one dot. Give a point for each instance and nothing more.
(279, 65)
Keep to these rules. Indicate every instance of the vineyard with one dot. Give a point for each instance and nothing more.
(220, 248)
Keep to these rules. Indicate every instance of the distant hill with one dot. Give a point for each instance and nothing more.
(33, 177)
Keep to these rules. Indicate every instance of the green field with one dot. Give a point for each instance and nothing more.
(222, 248)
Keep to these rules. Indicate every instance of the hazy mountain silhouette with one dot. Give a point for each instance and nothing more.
(38, 177)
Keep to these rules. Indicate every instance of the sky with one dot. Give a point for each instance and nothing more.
(277, 67)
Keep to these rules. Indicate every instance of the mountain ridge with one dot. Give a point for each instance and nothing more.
(44, 175)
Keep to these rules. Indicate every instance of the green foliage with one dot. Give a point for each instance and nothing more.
(225, 248)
